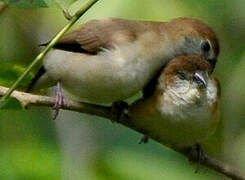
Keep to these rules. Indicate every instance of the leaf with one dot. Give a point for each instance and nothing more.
(10, 72)
(26, 3)
(10, 103)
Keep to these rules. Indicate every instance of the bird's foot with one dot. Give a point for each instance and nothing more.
(119, 110)
(59, 102)
(144, 140)
(197, 154)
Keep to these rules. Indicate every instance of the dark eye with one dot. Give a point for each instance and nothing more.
(181, 75)
(206, 46)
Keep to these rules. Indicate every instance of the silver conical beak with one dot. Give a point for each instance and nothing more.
(201, 78)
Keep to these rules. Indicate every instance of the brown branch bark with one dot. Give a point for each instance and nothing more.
(27, 100)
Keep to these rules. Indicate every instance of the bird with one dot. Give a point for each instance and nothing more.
(112, 59)
(183, 111)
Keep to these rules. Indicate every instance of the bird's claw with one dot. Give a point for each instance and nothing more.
(144, 140)
(197, 155)
(119, 109)
(59, 101)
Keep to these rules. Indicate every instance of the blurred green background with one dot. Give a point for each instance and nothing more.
(78, 146)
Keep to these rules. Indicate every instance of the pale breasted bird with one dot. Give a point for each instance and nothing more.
(110, 60)
(184, 108)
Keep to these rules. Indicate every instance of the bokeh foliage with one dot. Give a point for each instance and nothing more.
(79, 146)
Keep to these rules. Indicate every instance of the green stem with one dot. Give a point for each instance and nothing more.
(79, 13)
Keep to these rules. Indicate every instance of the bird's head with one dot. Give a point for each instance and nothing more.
(187, 78)
(193, 36)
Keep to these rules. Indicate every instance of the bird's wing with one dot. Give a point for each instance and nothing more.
(96, 35)
(40, 81)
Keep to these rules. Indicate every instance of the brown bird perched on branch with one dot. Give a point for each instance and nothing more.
(110, 60)
(184, 108)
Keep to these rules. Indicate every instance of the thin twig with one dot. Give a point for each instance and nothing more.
(223, 168)
(27, 100)
(39, 57)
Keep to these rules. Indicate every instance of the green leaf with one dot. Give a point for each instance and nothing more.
(26, 3)
(10, 72)
(10, 103)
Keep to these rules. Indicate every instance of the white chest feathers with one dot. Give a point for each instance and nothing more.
(186, 114)
(186, 101)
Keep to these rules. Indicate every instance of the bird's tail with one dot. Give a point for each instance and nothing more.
(33, 82)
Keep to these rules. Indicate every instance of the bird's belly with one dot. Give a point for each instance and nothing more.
(99, 78)
(187, 130)
(174, 129)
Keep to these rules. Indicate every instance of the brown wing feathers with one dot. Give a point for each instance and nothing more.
(96, 35)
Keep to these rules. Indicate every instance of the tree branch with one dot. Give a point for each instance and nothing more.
(27, 100)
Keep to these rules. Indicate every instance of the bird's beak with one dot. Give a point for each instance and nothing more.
(212, 63)
(201, 78)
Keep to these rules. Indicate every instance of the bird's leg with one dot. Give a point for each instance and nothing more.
(144, 140)
(118, 110)
(197, 154)
(200, 156)
(59, 102)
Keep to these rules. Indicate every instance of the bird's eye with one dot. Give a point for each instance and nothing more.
(205, 46)
(181, 75)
